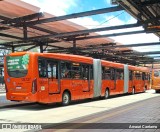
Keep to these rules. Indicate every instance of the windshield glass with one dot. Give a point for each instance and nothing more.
(157, 73)
(17, 66)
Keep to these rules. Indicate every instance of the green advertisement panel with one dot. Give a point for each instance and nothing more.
(17, 62)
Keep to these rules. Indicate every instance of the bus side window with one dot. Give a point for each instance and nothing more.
(138, 75)
(112, 73)
(119, 74)
(65, 69)
(106, 73)
(156, 73)
(85, 71)
(52, 69)
(144, 76)
(76, 74)
(42, 68)
(91, 72)
(130, 75)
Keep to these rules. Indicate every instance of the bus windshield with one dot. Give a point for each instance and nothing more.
(17, 66)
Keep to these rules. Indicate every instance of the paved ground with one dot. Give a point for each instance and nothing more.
(2, 89)
(116, 109)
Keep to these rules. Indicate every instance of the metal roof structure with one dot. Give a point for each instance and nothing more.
(22, 25)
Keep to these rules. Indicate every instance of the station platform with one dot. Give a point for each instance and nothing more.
(2, 88)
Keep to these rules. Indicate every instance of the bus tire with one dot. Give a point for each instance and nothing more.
(133, 90)
(157, 91)
(66, 98)
(106, 95)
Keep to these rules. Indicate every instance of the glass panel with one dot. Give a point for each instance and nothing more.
(52, 67)
(17, 66)
(85, 72)
(106, 73)
(65, 70)
(119, 74)
(42, 68)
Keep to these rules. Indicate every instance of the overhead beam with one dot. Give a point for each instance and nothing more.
(66, 34)
(110, 35)
(135, 45)
(3, 28)
(155, 19)
(3, 17)
(75, 15)
(34, 46)
(149, 2)
(43, 30)
(22, 19)
(139, 53)
(151, 52)
(107, 45)
(10, 36)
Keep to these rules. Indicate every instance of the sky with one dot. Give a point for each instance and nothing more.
(64, 7)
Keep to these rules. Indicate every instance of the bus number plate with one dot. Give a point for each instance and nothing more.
(18, 87)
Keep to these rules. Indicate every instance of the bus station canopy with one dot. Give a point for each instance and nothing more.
(23, 25)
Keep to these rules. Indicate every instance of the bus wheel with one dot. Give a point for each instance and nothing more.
(157, 91)
(133, 90)
(106, 96)
(65, 98)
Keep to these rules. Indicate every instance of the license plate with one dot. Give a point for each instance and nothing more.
(18, 87)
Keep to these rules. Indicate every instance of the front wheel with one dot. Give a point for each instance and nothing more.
(65, 98)
(157, 91)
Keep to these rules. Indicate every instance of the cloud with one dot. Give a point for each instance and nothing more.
(58, 7)
(87, 22)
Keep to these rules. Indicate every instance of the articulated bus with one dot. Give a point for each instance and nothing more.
(156, 80)
(50, 77)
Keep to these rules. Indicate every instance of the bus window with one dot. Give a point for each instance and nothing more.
(106, 75)
(156, 74)
(144, 76)
(130, 75)
(119, 74)
(85, 71)
(112, 74)
(42, 68)
(76, 71)
(91, 72)
(138, 75)
(52, 67)
(65, 69)
(17, 66)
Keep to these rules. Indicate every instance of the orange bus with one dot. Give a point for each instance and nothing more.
(156, 80)
(50, 77)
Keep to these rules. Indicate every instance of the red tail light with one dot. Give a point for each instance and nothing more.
(34, 86)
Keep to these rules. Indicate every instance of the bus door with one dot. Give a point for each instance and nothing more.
(53, 76)
(119, 80)
(42, 80)
(86, 78)
(113, 81)
(130, 80)
(144, 79)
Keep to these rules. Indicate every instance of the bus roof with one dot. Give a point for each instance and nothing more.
(79, 58)
(60, 56)
(136, 68)
(112, 64)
